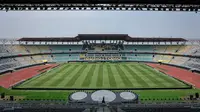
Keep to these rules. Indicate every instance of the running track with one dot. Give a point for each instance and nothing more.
(179, 73)
(10, 79)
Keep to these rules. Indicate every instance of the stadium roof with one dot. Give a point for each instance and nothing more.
(80, 37)
(154, 39)
(57, 39)
(103, 36)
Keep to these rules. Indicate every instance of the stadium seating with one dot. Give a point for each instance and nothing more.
(160, 48)
(65, 57)
(139, 48)
(7, 63)
(32, 49)
(165, 49)
(181, 60)
(185, 61)
(169, 49)
(10, 63)
(193, 63)
(127, 75)
(26, 49)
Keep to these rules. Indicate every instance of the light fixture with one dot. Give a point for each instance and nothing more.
(191, 8)
(132, 8)
(107, 8)
(41, 8)
(196, 9)
(181, 8)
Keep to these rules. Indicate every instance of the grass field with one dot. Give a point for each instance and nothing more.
(159, 95)
(102, 75)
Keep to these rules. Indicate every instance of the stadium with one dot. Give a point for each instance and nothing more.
(100, 69)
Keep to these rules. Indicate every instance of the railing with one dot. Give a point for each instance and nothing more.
(96, 52)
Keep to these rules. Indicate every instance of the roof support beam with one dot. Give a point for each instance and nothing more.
(96, 7)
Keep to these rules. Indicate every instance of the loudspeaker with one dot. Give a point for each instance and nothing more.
(11, 98)
(2, 95)
(197, 95)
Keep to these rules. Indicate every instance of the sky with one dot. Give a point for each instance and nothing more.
(17, 24)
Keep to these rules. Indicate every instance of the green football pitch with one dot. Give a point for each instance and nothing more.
(102, 75)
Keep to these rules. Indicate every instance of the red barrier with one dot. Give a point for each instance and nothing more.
(179, 73)
(10, 79)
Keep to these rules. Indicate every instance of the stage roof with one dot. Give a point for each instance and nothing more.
(191, 2)
(81, 37)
